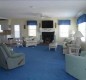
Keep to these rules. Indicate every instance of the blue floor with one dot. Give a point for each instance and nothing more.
(41, 64)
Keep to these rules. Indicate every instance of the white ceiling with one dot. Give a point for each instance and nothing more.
(38, 8)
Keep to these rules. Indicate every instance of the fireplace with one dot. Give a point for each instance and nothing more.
(47, 37)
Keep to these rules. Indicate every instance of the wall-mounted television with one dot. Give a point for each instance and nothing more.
(47, 24)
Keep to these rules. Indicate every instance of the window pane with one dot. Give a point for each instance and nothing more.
(17, 31)
(64, 30)
(1, 29)
(82, 29)
(32, 33)
(32, 26)
(31, 30)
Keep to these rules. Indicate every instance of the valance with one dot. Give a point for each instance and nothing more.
(81, 19)
(63, 22)
(33, 22)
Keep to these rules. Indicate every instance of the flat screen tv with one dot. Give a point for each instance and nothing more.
(47, 24)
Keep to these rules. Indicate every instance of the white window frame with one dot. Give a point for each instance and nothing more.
(82, 29)
(1, 29)
(64, 31)
(32, 30)
(17, 31)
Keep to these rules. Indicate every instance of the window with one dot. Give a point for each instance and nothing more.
(17, 31)
(64, 30)
(82, 29)
(31, 30)
(1, 29)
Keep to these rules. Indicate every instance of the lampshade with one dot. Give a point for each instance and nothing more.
(78, 34)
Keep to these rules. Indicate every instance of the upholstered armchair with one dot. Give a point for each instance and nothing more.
(10, 59)
(66, 44)
(76, 65)
(75, 48)
(75, 45)
(72, 47)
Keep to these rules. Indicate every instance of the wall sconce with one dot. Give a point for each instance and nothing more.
(55, 25)
(9, 27)
(24, 26)
(39, 25)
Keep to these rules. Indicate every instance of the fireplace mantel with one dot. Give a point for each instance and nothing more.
(47, 30)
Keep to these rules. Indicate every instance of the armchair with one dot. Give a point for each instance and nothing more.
(9, 59)
(75, 47)
(76, 66)
(66, 44)
(72, 47)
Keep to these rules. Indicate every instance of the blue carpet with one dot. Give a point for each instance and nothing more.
(41, 64)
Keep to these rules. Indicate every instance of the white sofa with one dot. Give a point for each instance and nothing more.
(32, 41)
(76, 65)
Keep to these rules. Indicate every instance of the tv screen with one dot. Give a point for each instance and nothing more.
(47, 24)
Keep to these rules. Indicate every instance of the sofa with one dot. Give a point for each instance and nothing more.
(30, 41)
(76, 65)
